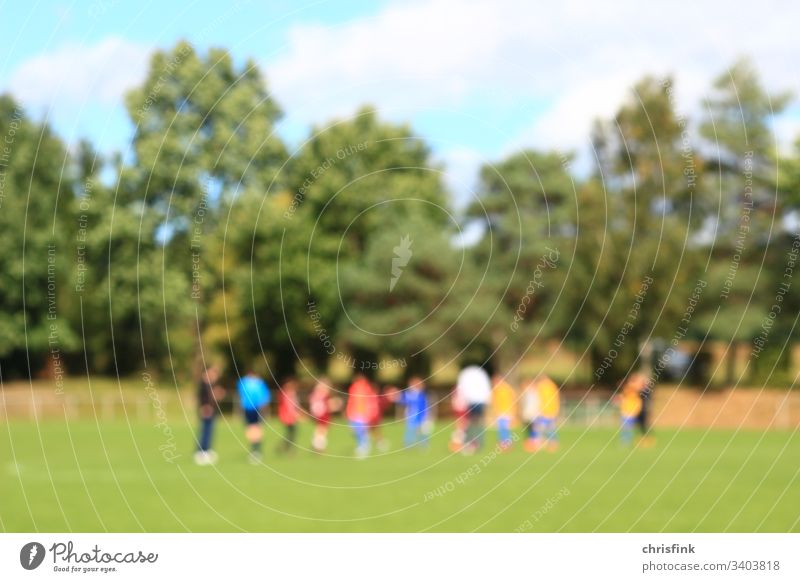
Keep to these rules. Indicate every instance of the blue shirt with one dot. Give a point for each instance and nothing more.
(253, 392)
(416, 404)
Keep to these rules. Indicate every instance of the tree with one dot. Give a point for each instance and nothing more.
(635, 262)
(204, 130)
(348, 181)
(526, 205)
(405, 294)
(742, 175)
(35, 215)
(205, 135)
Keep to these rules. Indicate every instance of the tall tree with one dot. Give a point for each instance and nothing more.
(526, 205)
(205, 134)
(35, 213)
(348, 181)
(741, 157)
(634, 255)
(405, 294)
(204, 129)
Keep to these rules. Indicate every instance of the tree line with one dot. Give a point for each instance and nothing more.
(209, 238)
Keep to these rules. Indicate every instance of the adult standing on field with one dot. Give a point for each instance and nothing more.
(254, 397)
(209, 392)
(475, 389)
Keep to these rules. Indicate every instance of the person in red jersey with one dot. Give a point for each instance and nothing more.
(321, 405)
(289, 412)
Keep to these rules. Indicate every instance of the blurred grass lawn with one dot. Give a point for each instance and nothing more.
(110, 476)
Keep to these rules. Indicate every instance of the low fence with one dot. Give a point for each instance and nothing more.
(686, 408)
(42, 405)
(37, 405)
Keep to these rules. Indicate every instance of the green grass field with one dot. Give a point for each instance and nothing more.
(111, 476)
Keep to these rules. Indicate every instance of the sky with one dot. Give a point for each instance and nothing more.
(478, 79)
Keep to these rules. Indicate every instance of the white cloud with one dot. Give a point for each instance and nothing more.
(460, 178)
(75, 75)
(578, 56)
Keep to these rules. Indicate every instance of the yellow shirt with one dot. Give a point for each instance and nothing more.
(549, 398)
(631, 404)
(503, 399)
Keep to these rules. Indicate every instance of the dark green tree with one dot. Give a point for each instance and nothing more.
(35, 213)
(635, 257)
(748, 205)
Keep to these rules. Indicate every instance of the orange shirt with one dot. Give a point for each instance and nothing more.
(362, 404)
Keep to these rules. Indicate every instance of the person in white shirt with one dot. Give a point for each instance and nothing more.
(474, 388)
(531, 411)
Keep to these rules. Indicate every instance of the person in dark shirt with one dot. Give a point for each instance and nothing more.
(208, 393)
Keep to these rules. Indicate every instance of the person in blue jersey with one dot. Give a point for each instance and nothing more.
(415, 402)
(254, 397)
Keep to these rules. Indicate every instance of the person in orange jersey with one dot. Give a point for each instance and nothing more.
(362, 408)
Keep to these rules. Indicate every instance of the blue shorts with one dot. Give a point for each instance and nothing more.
(251, 416)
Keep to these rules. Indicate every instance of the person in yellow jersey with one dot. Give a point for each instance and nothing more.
(504, 401)
(630, 405)
(550, 406)
(641, 385)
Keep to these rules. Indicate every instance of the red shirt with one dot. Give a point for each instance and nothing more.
(288, 408)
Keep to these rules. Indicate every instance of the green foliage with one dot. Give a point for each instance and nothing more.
(294, 253)
(214, 242)
(35, 217)
(634, 260)
(204, 128)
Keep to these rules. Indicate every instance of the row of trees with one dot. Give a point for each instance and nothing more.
(210, 239)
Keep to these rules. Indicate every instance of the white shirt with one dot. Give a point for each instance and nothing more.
(531, 406)
(474, 385)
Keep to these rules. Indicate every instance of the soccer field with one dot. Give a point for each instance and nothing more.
(111, 476)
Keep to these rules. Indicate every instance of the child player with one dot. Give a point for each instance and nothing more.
(383, 400)
(550, 407)
(630, 405)
(320, 405)
(459, 407)
(531, 411)
(503, 403)
(289, 413)
(415, 402)
(362, 409)
(253, 397)
(641, 385)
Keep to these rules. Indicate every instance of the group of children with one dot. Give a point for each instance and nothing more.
(365, 409)
(537, 406)
(367, 404)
